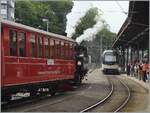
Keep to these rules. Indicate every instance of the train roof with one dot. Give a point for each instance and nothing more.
(108, 51)
(18, 25)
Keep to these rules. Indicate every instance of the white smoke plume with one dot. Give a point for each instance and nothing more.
(89, 34)
(73, 18)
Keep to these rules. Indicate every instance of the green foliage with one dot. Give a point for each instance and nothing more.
(86, 22)
(107, 37)
(32, 12)
(22, 12)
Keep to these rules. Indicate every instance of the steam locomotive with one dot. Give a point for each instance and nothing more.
(32, 59)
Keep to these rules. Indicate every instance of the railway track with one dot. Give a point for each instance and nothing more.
(106, 99)
(139, 100)
(126, 100)
(101, 101)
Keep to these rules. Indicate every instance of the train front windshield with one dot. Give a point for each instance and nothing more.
(109, 57)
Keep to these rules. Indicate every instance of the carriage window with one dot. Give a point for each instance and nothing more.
(40, 46)
(57, 49)
(13, 40)
(62, 50)
(22, 42)
(46, 47)
(32, 45)
(52, 48)
(70, 57)
(66, 51)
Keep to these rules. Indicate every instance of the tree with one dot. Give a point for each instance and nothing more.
(107, 37)
(31, 13)
(86, 22)
(25, 12)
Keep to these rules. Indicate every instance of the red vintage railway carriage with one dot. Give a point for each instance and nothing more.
(33, 58)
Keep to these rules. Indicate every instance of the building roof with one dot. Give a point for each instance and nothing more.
(135, 30)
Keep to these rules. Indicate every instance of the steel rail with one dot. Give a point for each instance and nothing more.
(126, 100)
(101, 101)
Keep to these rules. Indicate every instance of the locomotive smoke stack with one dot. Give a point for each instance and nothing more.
(89, 34)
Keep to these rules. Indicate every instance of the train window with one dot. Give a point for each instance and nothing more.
(70, 56)
(40, 46)
(52, 48)
(62, 50)
(46, 47)
(66, 50)
(13, 44)
(70, 51)
(32, 45)
(73, 51)
(57, 49)
(22, 42)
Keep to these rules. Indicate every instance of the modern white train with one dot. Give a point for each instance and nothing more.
(109, 62)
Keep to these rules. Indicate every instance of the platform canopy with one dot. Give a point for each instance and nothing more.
(135, 30)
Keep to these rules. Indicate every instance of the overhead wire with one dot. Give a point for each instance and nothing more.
(123, 11)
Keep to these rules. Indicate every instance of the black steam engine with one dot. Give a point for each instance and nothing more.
(81, 58)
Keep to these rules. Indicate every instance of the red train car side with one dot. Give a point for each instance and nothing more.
(31, 56)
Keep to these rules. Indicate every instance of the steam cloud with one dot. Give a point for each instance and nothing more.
(89, 34)
(73, 18)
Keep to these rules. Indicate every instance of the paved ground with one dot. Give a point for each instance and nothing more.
(143, 84)
(139, 101)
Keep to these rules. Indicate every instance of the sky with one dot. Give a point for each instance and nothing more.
(112, 13)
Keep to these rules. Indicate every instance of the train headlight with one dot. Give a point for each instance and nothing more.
(79, 63)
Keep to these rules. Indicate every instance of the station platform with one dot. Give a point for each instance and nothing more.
(145, 85)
